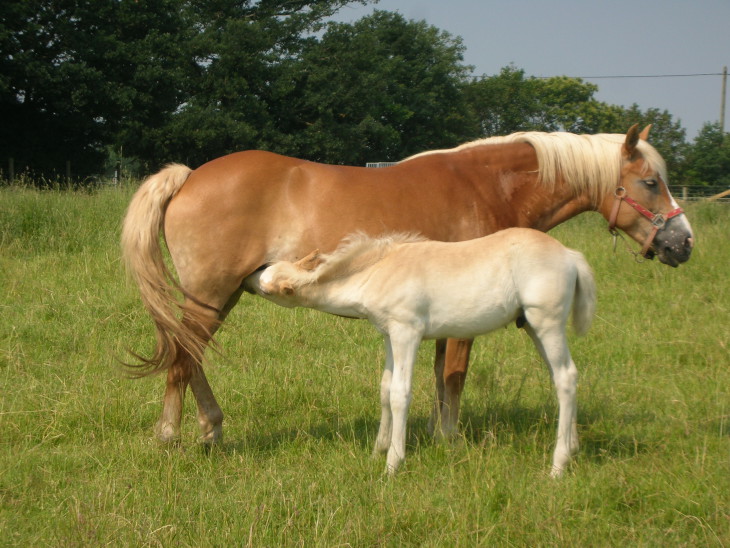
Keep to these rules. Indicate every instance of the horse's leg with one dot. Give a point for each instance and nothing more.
(552, 344)
(434, 422)
(187, 370)
(385, 430)
(167, 428)
(456, 363)
(210, 415)
(404, 343)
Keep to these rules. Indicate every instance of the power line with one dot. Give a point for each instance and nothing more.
(641, 76)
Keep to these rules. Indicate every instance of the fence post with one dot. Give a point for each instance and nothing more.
(684, 193)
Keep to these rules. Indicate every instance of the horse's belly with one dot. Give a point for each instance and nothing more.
(468, 323)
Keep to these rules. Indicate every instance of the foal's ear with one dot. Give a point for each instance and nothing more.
(632, 139)
(310, 262)
(644, 135)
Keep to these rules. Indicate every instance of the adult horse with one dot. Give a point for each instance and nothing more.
(229, 217)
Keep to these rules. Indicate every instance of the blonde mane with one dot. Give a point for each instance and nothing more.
(357, 252)
(587, 163)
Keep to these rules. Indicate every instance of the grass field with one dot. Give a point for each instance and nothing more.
(79, 466)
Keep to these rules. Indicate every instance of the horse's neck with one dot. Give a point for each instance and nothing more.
(342, 296)
(527, 201)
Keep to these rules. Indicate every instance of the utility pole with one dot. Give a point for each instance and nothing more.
(722, 100)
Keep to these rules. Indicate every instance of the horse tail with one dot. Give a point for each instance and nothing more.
(143, 257)
(584, 302)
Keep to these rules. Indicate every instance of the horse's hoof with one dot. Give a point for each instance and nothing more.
(556, 473)
(167, 433)
(212, 437)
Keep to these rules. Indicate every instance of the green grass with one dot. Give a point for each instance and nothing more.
(79, 466)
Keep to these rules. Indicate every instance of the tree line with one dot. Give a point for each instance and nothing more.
(94, 84)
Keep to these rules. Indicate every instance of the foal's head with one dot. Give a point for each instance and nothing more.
(282, 278)
(356, 253)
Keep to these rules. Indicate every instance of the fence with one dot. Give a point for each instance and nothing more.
(698, 193)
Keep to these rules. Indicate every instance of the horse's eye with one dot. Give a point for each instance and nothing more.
(650, 182)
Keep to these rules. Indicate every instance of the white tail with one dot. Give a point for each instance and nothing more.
(144, 260)
(584, 303)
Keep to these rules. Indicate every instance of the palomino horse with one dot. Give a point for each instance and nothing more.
(412, 290)
(226, 219)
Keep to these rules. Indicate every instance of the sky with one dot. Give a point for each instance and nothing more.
(584, 38)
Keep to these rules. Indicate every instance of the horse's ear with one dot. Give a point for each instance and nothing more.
(644, 135)
(310, 262)
(632, 139)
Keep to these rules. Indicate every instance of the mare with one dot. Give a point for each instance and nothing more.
(223, 221)
(412, 290)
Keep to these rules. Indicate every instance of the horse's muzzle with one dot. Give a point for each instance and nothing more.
(673, 244)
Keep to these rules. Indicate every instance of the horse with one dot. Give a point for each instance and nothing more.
(412, 289)
(224, 220)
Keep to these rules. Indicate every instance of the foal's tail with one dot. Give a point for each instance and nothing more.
(584, 302)
(142, 253)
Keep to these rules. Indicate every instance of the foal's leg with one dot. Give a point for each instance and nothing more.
(382, 442)
(552, 344)
(404, 342)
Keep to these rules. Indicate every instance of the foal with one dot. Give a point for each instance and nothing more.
(411, 289)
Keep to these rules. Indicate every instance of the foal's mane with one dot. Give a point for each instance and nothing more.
(357, 252)
(588, 163)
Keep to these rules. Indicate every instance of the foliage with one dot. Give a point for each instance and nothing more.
(382, 88)
(300, 392)
(666, 135)
(75, 71)
(708, 160)
(81, 75)
(510, 102)
(146, 83)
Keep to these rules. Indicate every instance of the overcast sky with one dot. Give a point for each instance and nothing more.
(594, 38)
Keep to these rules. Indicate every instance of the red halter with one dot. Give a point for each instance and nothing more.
(657, 219)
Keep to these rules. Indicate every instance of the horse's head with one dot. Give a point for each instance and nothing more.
(282, 278)
(643, 207)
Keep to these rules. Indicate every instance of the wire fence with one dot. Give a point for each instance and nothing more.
(699, 193)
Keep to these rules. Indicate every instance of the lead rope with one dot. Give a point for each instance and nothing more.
(638, 257)
(619, 194)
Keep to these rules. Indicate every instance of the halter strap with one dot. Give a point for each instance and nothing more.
(658, 220)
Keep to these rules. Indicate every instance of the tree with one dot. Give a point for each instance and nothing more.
(666, 135)
(160, 80)
(510, 101)
(74, 70)
(708, 158)
(240, 91)
(379, 89)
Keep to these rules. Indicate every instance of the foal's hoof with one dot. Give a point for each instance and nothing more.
(557, 473)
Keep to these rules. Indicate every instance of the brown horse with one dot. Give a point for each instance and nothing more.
(231, 216)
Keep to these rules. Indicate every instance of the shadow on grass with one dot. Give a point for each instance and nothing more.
(520, 426)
